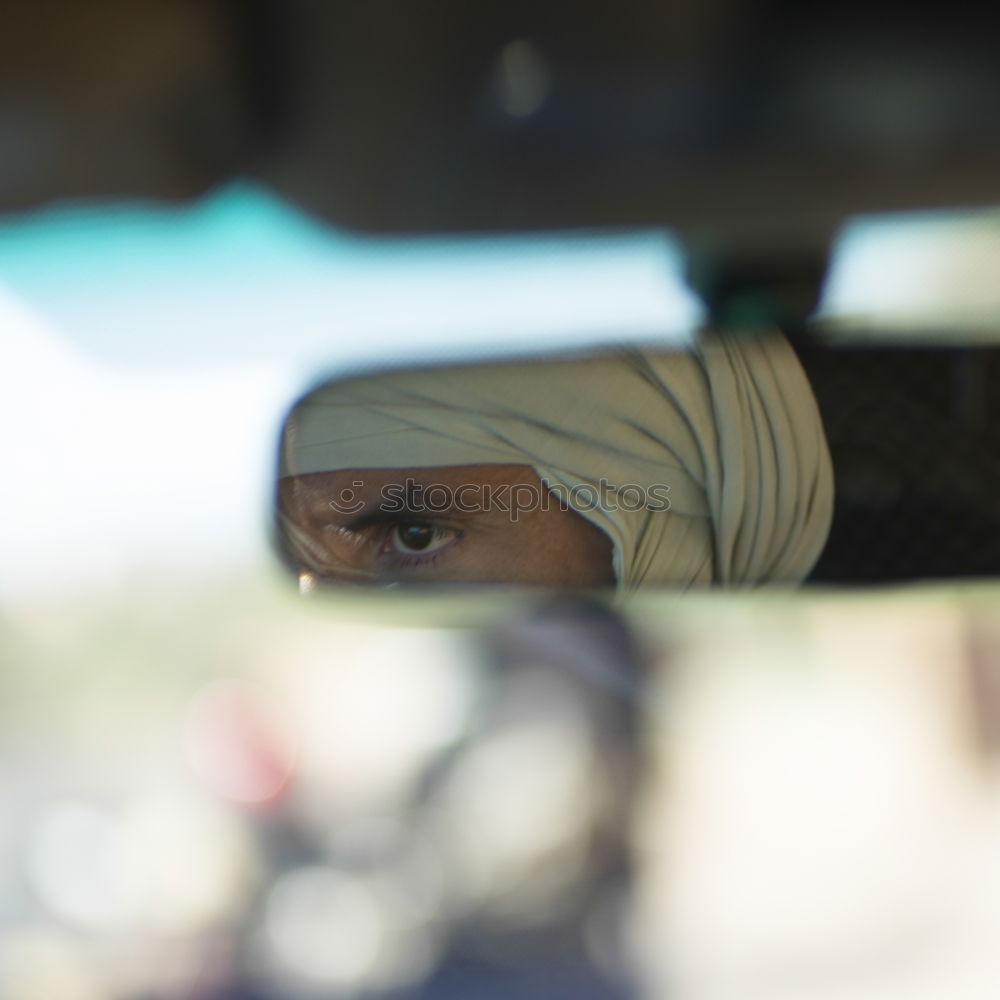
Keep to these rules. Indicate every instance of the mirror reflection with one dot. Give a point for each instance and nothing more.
(632, 468)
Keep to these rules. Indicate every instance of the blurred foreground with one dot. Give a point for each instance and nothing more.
(764, 797)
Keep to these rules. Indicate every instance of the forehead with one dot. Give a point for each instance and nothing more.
(364, 480)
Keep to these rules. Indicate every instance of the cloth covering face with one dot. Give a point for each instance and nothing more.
(730, 426)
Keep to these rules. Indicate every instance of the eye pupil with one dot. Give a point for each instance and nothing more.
(416, 536)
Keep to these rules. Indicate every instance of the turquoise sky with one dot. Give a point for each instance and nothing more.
(244, 274)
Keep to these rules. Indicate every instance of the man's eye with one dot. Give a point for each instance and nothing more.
(411, 539)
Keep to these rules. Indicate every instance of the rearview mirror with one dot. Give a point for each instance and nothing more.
(630, 468)
(739, 462)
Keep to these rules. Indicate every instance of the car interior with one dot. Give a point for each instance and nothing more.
(500, 500)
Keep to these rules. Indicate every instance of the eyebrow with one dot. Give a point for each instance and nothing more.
(374, 513)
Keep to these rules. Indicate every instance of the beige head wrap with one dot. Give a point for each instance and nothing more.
(731, 427)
